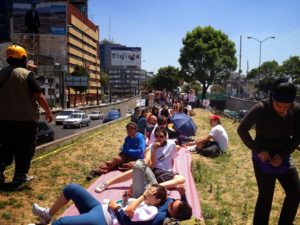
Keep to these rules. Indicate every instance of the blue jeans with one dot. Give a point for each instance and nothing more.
(90, 209)
(142, 177)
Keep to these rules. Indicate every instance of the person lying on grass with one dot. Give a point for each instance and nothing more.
(142, 210)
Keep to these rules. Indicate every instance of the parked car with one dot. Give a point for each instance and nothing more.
(45, 133)
(111, 115)
(60, 118)
(77, 120)
(96, 115)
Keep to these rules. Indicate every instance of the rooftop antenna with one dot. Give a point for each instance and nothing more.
(109, 28)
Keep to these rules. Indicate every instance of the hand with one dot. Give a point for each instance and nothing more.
(149, 192)
(264, 156)
(276, 160)
(49, 117)
(181, 189)
(156, 145)
(112, 204)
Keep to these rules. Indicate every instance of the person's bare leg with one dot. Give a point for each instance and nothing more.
(120, 178)
(178, 179)
(58, 204)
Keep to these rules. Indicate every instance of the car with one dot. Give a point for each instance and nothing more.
(64, 114)
(129, 112)
(111, 115)
(45, 133)
(96, 115)
(77, 120)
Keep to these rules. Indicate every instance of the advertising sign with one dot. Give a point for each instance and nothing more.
(42, 18)
(123, 56)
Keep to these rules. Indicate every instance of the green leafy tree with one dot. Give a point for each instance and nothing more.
(291, 68)
(166, 77)
(269, 70)
(207, 56)
(79, 71)
(253, 74)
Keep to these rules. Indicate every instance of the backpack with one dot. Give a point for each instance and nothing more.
(172, 221)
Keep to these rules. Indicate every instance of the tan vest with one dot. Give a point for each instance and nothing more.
(16, 101)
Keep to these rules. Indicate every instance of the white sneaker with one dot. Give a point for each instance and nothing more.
(101, 187)
(192, 148)
(42, 213)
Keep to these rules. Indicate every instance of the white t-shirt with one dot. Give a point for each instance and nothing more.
(220, 136)
(165, 156)
(143, 212)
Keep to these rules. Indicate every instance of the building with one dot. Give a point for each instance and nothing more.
(66, 37)
(123, 66)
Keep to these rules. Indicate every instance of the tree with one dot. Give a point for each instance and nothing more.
(269, 70)
(79, 71)
(166, 77)
(207, 56)
(253, 74)
(291, 68)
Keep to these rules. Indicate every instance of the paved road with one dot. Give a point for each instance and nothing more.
(60, 132)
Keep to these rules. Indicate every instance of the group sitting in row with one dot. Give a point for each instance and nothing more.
(147, 167)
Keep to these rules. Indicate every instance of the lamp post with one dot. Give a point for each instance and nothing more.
(260, 44)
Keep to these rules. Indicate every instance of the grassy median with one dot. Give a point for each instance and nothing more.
(226, 185)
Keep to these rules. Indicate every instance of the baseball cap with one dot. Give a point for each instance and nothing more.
(215, 117)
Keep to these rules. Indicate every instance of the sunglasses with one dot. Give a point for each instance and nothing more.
(159, 136)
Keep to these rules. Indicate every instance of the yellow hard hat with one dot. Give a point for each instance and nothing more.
(15, 52)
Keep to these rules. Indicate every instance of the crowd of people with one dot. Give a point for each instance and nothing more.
(150, 150)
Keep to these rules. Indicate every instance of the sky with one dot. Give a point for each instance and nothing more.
(158, 27)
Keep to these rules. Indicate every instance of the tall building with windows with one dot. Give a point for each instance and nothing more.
(66, 38)
(123, 66)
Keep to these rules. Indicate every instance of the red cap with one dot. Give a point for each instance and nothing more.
(215, 117)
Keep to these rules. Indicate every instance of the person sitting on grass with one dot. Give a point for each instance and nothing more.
(133, 149)
(215, 143)
(160, 157)
(142, 210)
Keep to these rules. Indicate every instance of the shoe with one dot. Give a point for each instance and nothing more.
(22, 179)
(42, 213)
(192, 148)
(101, 187)
(92, 175)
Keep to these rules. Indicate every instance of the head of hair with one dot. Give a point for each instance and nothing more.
(185, 110)
(137, 108)
(283, 91)
(161, 120)
(161, 129)
(131, 124)
(184, 211)
(161, 193)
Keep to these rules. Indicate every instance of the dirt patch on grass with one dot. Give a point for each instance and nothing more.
(226, 185)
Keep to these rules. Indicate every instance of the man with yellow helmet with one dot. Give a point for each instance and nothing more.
(20, 95)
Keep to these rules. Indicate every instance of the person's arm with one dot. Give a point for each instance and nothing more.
(181, 190)
(38, 95)
(154, 148)
(40, 98)
(138, 151)
(147, 156)
(246, 124)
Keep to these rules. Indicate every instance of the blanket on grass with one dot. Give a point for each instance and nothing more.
(182, 166)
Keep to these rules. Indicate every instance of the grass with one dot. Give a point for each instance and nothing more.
(226, 185)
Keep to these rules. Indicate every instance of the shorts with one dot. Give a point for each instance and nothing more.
(163, 175)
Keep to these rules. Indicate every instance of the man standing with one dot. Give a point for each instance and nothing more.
(32, 21)
(19, 95)
(133, 149)
(213, 144)
(277, 127)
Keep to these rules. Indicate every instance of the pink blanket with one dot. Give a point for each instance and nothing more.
(183, 167)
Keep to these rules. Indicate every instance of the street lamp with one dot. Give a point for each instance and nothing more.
(260, 43)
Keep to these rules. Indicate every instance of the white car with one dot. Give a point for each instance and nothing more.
(77, 120)
(96, 115)
(60, 118)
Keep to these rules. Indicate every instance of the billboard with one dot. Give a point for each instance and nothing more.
(123, 56)
(42, 18)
